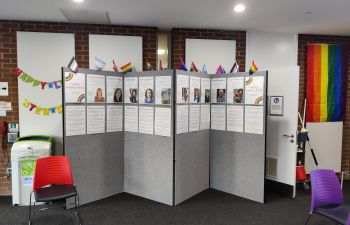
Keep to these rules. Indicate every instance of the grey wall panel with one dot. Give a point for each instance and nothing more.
(237, 164)
(191, 164)
(148, 170)
(97, 163)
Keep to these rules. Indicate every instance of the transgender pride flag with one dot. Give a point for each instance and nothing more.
(99, 63)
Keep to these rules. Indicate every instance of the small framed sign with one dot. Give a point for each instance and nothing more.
(276, 105)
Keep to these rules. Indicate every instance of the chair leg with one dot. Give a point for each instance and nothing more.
(308, 218)
(30, 209)
(34, 214)
(77, 211)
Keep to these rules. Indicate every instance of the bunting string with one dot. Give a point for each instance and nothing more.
(37, 83)
(42, 110)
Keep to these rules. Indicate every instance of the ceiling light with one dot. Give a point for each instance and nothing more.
(78, 1)
(161, 51)
(239, 8)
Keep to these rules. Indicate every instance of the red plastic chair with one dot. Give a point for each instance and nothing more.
(53, 181)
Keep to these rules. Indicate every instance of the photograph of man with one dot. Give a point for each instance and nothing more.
(149, 96)
(118, 96)
(166, 95)
(197, 97)
(99, 96)
(207, 96)
(133, 95)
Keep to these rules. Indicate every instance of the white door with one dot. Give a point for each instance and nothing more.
(281, 148)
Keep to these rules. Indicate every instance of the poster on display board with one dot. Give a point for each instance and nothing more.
(114, 89)
(218, 90)
(162, 125)
(146, 90)
(131, 118)
(131, 89)
(195, 92)
(181, 119)
(235, 90)
(75, 120)
(96, 90)
(276, 105)
(218, 117)
(163, 90)
(194, 118)
(254, 119)
(235, 118)
(74, 91)
(96, 119)
(254, 90)
(183, 91)
(146, 119)
(205, 90)
(205, 117)
(114, 118)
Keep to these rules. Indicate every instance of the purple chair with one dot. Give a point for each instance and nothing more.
(327, 197)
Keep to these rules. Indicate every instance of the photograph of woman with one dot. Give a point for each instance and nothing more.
(185, 95)
(149, 96)
(207, 96)
(133, 96)
(221, 98)
(118, 96)
(99, 96)
(238, 95)
(196, 98)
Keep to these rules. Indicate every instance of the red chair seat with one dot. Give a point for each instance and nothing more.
(55, 192)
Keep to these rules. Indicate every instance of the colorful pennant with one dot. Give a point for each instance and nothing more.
(42, 110)
(149, 66)
(115, 67)
(37, 83)
(253, 68)
(182, 65)
(126, 68)
(160, 65)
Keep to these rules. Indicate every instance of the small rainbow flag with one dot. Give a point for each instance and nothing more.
(326, 69)
(253, 68)
(161, 65)
(182, 65)
(149, 66)
(126, 68)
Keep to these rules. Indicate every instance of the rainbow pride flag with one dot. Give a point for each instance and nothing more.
(253, 68)
(126, 68)
(325, 82)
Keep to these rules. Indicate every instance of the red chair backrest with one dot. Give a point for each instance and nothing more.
(52, 170)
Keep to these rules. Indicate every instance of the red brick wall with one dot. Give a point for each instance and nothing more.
(8, 58)
(305, 39)
(179, 36)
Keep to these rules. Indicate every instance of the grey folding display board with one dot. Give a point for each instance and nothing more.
(191, 148)
(237, 159)
(149, 158)
(97, 160)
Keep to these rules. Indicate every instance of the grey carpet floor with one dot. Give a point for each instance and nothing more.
(209, 207)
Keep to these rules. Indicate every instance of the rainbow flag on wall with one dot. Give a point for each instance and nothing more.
(126, 68)
(253, 68)
(325, 82)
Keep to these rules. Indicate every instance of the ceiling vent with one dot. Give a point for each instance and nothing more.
(86, 16)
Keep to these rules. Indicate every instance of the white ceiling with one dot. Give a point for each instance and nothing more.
(290, 16)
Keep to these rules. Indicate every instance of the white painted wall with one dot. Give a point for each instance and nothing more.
(42, 55)
(212, 53)
(326, 139)
(271, 50)
(123, 49)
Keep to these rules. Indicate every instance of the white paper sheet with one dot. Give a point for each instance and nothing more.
(235, 90)
(96, 90)
(182, 92)
(114, 89)
(74, 91)
(162, 121)
(5, 105)
(235, 118)
(254, 120)
(163, 90)
(96, 119)
(2, 112)
(205, 89)
(205, 117)
(218, 117)
(114, 118)
(181, 119)
(218, 90)
(194, 118)
(146, 120)
(131, 118)
(146, 89)
(75, 120)
(131, 90)
(254, 90)
(195, 89)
